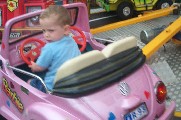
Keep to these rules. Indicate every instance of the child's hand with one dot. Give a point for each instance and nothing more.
(35, 68)
(32, 66)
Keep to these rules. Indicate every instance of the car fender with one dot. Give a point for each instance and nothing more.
(45, 111)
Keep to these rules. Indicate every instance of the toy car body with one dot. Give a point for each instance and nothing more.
(110, 82)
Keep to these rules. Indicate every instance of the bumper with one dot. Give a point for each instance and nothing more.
(169, 112)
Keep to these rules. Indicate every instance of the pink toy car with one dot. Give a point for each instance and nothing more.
(108, 83)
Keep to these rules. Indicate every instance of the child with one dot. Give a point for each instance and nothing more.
(55, 22)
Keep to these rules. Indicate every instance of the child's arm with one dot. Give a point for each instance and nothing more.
(36, 68)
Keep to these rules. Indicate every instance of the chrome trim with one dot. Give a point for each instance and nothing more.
(124, 88)
(29, 74)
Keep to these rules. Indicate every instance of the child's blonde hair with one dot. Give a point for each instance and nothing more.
(63, 16)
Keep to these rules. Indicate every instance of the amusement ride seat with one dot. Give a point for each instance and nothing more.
(78, 63)
(119, 46)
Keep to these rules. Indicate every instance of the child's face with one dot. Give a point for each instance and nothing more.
(53, 31)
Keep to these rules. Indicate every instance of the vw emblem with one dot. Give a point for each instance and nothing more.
(124, 88)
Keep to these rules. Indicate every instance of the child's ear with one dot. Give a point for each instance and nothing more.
(66, 29)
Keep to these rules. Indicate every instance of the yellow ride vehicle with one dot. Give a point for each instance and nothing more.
(125, 8)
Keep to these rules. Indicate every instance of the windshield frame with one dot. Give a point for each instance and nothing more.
(7, 30)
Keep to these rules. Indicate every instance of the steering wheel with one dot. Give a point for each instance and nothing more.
(30, 49)
(79, 39)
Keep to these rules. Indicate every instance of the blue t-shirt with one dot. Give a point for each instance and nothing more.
(54, 54)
